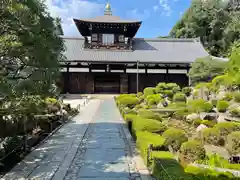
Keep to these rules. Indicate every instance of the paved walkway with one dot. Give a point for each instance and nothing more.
(94, 146)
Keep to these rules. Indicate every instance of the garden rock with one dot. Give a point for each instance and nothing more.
(221, 118)
(160, 105)
(201, 127)
(192, 117)
(208, 116)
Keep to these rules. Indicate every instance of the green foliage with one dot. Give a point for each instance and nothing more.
(144, 139)
(187, 91)
(153, 99)
(225, 80)
(222, 106)
(228, 96)
(191, 151)
(174, 138)
(209, 123)
(211, 136)
(127, 100)
(149, 114)
(235, 112)
(130, 117)
(179, 97)
(225, 128)
(236, 96)
(167, 89)
(205, 69)
(150, 125)
(149, 91)
(211, 20)
(200, 105)
(30, 49)
(215, 160)
(233, 143)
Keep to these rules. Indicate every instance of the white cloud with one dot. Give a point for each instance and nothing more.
(69, 9)
(164, 4)
(155, 8)
(136, 14)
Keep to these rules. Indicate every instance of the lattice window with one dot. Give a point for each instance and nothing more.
(121, 38)
(108, 39)
(94, 37)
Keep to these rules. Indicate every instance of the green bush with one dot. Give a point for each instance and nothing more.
(150, 125)
(208, 174)
(174, 138)
(214, 102)
(149, 114)
(153, 99)
(211, 136)
(127, 100)
(233, 142)
(225, 128)
(197, 122)
(235, 112)
(130, 117)
(228, 96)
(139, 94)
(236, 96)
(200, 105)
(209, 123)
(222, 106)
(149, 91)
(179, 97)
(187, 91)
(191, 151)
(144, 139)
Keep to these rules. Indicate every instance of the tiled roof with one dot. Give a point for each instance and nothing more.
(108, 19)
(157, 50)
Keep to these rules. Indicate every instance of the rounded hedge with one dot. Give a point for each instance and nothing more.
(225, 128)
(153, 99)
(211, 136)
(236, 96)
(191, 151)
(187, 91)
(149, 91)
(233, 142)
(149, 114)
(222, 106)
(200, 105)
(174, 138)
(149, 125)
(179, 97)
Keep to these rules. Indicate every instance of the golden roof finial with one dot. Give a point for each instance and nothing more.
(108, 6)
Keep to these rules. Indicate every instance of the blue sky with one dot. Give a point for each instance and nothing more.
(158, 16)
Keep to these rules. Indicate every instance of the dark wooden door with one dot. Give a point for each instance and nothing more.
(107, 83)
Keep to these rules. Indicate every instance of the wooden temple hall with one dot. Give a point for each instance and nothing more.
(109, 59)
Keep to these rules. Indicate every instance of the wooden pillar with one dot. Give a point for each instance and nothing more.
(189, 79)
(167, 74)
(67, 84)
(123, 84)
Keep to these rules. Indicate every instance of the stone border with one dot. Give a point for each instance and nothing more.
(136, 158)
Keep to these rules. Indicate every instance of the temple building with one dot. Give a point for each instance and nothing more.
(109, 59)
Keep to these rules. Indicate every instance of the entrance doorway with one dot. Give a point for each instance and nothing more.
(107, 83)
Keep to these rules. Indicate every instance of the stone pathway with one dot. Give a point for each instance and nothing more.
(94, 146)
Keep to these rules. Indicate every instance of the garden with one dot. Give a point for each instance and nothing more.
(25, 122)
(191, 132)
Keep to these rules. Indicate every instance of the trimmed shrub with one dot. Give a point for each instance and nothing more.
(211, 136)
(127, 100)
(150, 125)
(144, 139)
(214, 102)
(222, 106)
(168, 93)
(187, 91)
(209, 123)
(233, 142)
(179, 97)
(225, 128)
(148, 91)
(153, 99)
(200, 105)
(236, 96)
(228, 96)
(149, 114)
(191, 151)
(174, 138)
(197, 122)
(130, 117)
(139, 94)
(235, 112)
